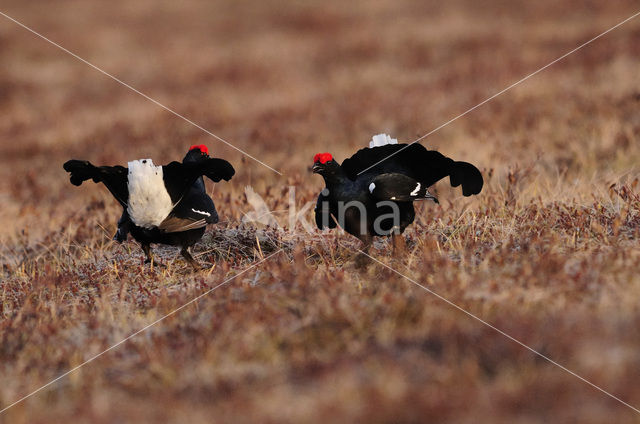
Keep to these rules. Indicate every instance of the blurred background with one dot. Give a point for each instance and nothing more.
(284, 80)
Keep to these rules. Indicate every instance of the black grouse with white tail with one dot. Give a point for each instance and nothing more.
(372, 192)
(161, 204)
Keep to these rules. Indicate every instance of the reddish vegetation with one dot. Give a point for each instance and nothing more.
(548, 252)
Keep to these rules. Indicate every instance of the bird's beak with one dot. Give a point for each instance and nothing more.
(316, 168)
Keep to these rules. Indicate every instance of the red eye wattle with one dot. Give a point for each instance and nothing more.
(322, 158)
(203, 149)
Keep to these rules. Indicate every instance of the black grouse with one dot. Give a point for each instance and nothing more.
(161, 204)
(372, 192)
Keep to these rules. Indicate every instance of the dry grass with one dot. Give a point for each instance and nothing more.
(548, 252)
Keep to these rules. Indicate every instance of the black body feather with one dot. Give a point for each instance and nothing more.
(415, 161)
(395, 174)
(193, 209)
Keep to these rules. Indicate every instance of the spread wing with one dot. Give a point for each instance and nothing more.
(195, 210)
(415, 161)
(113, 177)
(400, 188)
(174, 224)
(197, 205)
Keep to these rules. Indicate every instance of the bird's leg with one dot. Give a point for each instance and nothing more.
(399, 245)
(362, 258)
(123, 228)
(146, 248)
(185, 253)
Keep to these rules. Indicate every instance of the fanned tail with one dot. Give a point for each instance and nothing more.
(218, 169)
(415, 161)
(113, 177)
(81, 171)
(467, 175)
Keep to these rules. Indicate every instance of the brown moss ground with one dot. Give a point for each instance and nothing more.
(548, 252)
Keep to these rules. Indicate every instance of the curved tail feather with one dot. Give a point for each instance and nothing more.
(81, 170)
(113, 177)
(467, 175)
(415, 161)
(218, 169)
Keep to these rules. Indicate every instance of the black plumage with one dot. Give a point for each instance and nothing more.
(192, 209)
(372, 192)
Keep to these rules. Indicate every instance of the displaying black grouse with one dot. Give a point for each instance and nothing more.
(372, 192)
(161, 204)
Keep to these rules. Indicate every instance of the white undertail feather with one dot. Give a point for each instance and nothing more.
(382, 140)
(149, 202)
